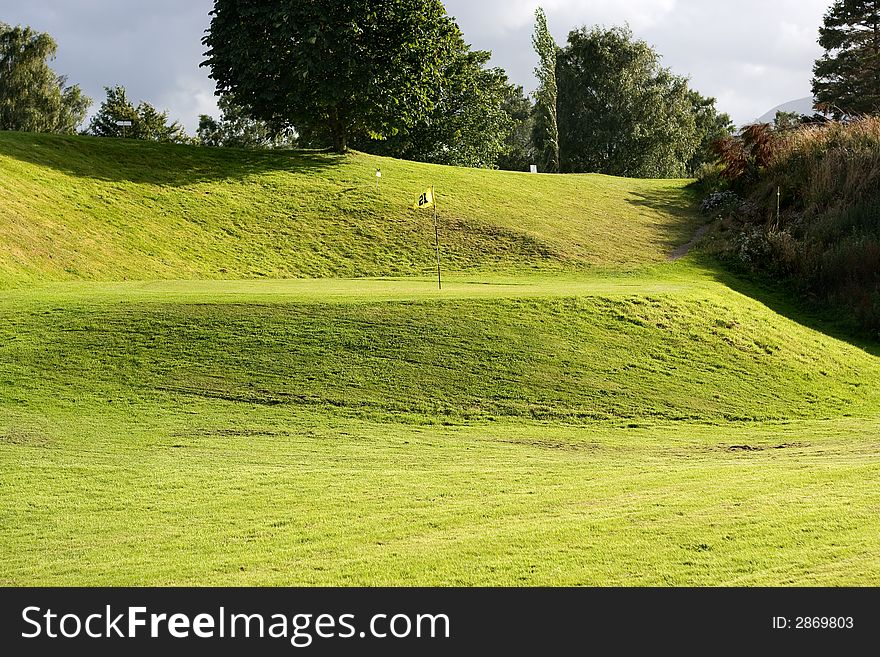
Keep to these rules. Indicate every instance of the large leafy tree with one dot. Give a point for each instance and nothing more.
(546, 123)
(236, 128)
(519, 151)
(146, 121)
(33, 98)
(469, 124)
(620, 112)
(711, 126)
(346, 67)
(846, 78)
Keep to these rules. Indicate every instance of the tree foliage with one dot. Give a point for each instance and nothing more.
(346, 67)
(711, 127)
(519, 151)
(789, 120)
(545, 134)
(846, 78)
(237, 128)
(469, 124)
(747, 155)
(620, 112)
(146, 121)
(33, 98)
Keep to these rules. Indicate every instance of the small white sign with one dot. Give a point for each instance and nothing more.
(124, 124)
(378, 173)
(534, 168)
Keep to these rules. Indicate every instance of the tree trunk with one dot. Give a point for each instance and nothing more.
(338, 132)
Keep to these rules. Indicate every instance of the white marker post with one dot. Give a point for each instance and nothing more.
(124, 125)
(378, 176)
(533, 168)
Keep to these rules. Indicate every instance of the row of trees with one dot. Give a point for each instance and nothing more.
(33, 98)
(395, 77)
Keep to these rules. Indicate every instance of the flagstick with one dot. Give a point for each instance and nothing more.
(437, 240)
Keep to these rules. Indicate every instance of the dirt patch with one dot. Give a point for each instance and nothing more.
(684, 249)
(25, 438)
(761, 448)
(231, 433)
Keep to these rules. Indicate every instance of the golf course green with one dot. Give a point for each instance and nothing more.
(222, 367)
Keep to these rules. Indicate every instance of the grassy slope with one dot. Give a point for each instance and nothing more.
(108, 210)
(594, 353)
(573, 427)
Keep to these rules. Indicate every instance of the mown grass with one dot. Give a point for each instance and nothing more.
(573, 356)
(570, 409)
(213, 493)
(585, 438)
(78, 207)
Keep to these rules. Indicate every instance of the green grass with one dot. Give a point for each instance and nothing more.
(87, 208)
(591, 417)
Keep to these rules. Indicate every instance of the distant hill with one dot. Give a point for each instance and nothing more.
(801, 106)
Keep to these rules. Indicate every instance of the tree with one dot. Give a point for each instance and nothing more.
(789, 120)
(546, 123)
(620, 112)
(147, 122)
(846, 78)
(518, 150)
(344, 66)
(33, 98)
(468, 125)
(711, 127)
(236, 128)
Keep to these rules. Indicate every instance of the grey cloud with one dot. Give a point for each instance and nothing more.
(152, 48)
(751, 55)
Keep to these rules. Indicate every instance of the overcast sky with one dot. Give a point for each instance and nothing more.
(751, 54)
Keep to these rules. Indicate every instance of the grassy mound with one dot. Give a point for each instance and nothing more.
(700, 353)
(555, 432)
(571, 409)
(101, 209)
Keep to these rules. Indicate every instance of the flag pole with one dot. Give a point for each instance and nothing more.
(437, 239)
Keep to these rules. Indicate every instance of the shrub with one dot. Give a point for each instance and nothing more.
(826, 240)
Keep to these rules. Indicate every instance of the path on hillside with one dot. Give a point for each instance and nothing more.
(684, 249)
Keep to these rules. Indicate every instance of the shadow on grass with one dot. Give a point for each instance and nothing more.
(679, 203)
(784, 301)
(778, 297)
(127, 160)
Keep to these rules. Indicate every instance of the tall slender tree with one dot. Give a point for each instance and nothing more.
(546, 126)
(846, 78)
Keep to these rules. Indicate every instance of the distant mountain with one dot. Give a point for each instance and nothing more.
(801, 106)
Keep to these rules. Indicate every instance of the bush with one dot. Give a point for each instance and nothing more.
(826, 240)
(718, 204)
(709, 178)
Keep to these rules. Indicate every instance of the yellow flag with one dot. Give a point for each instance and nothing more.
(426, 199)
